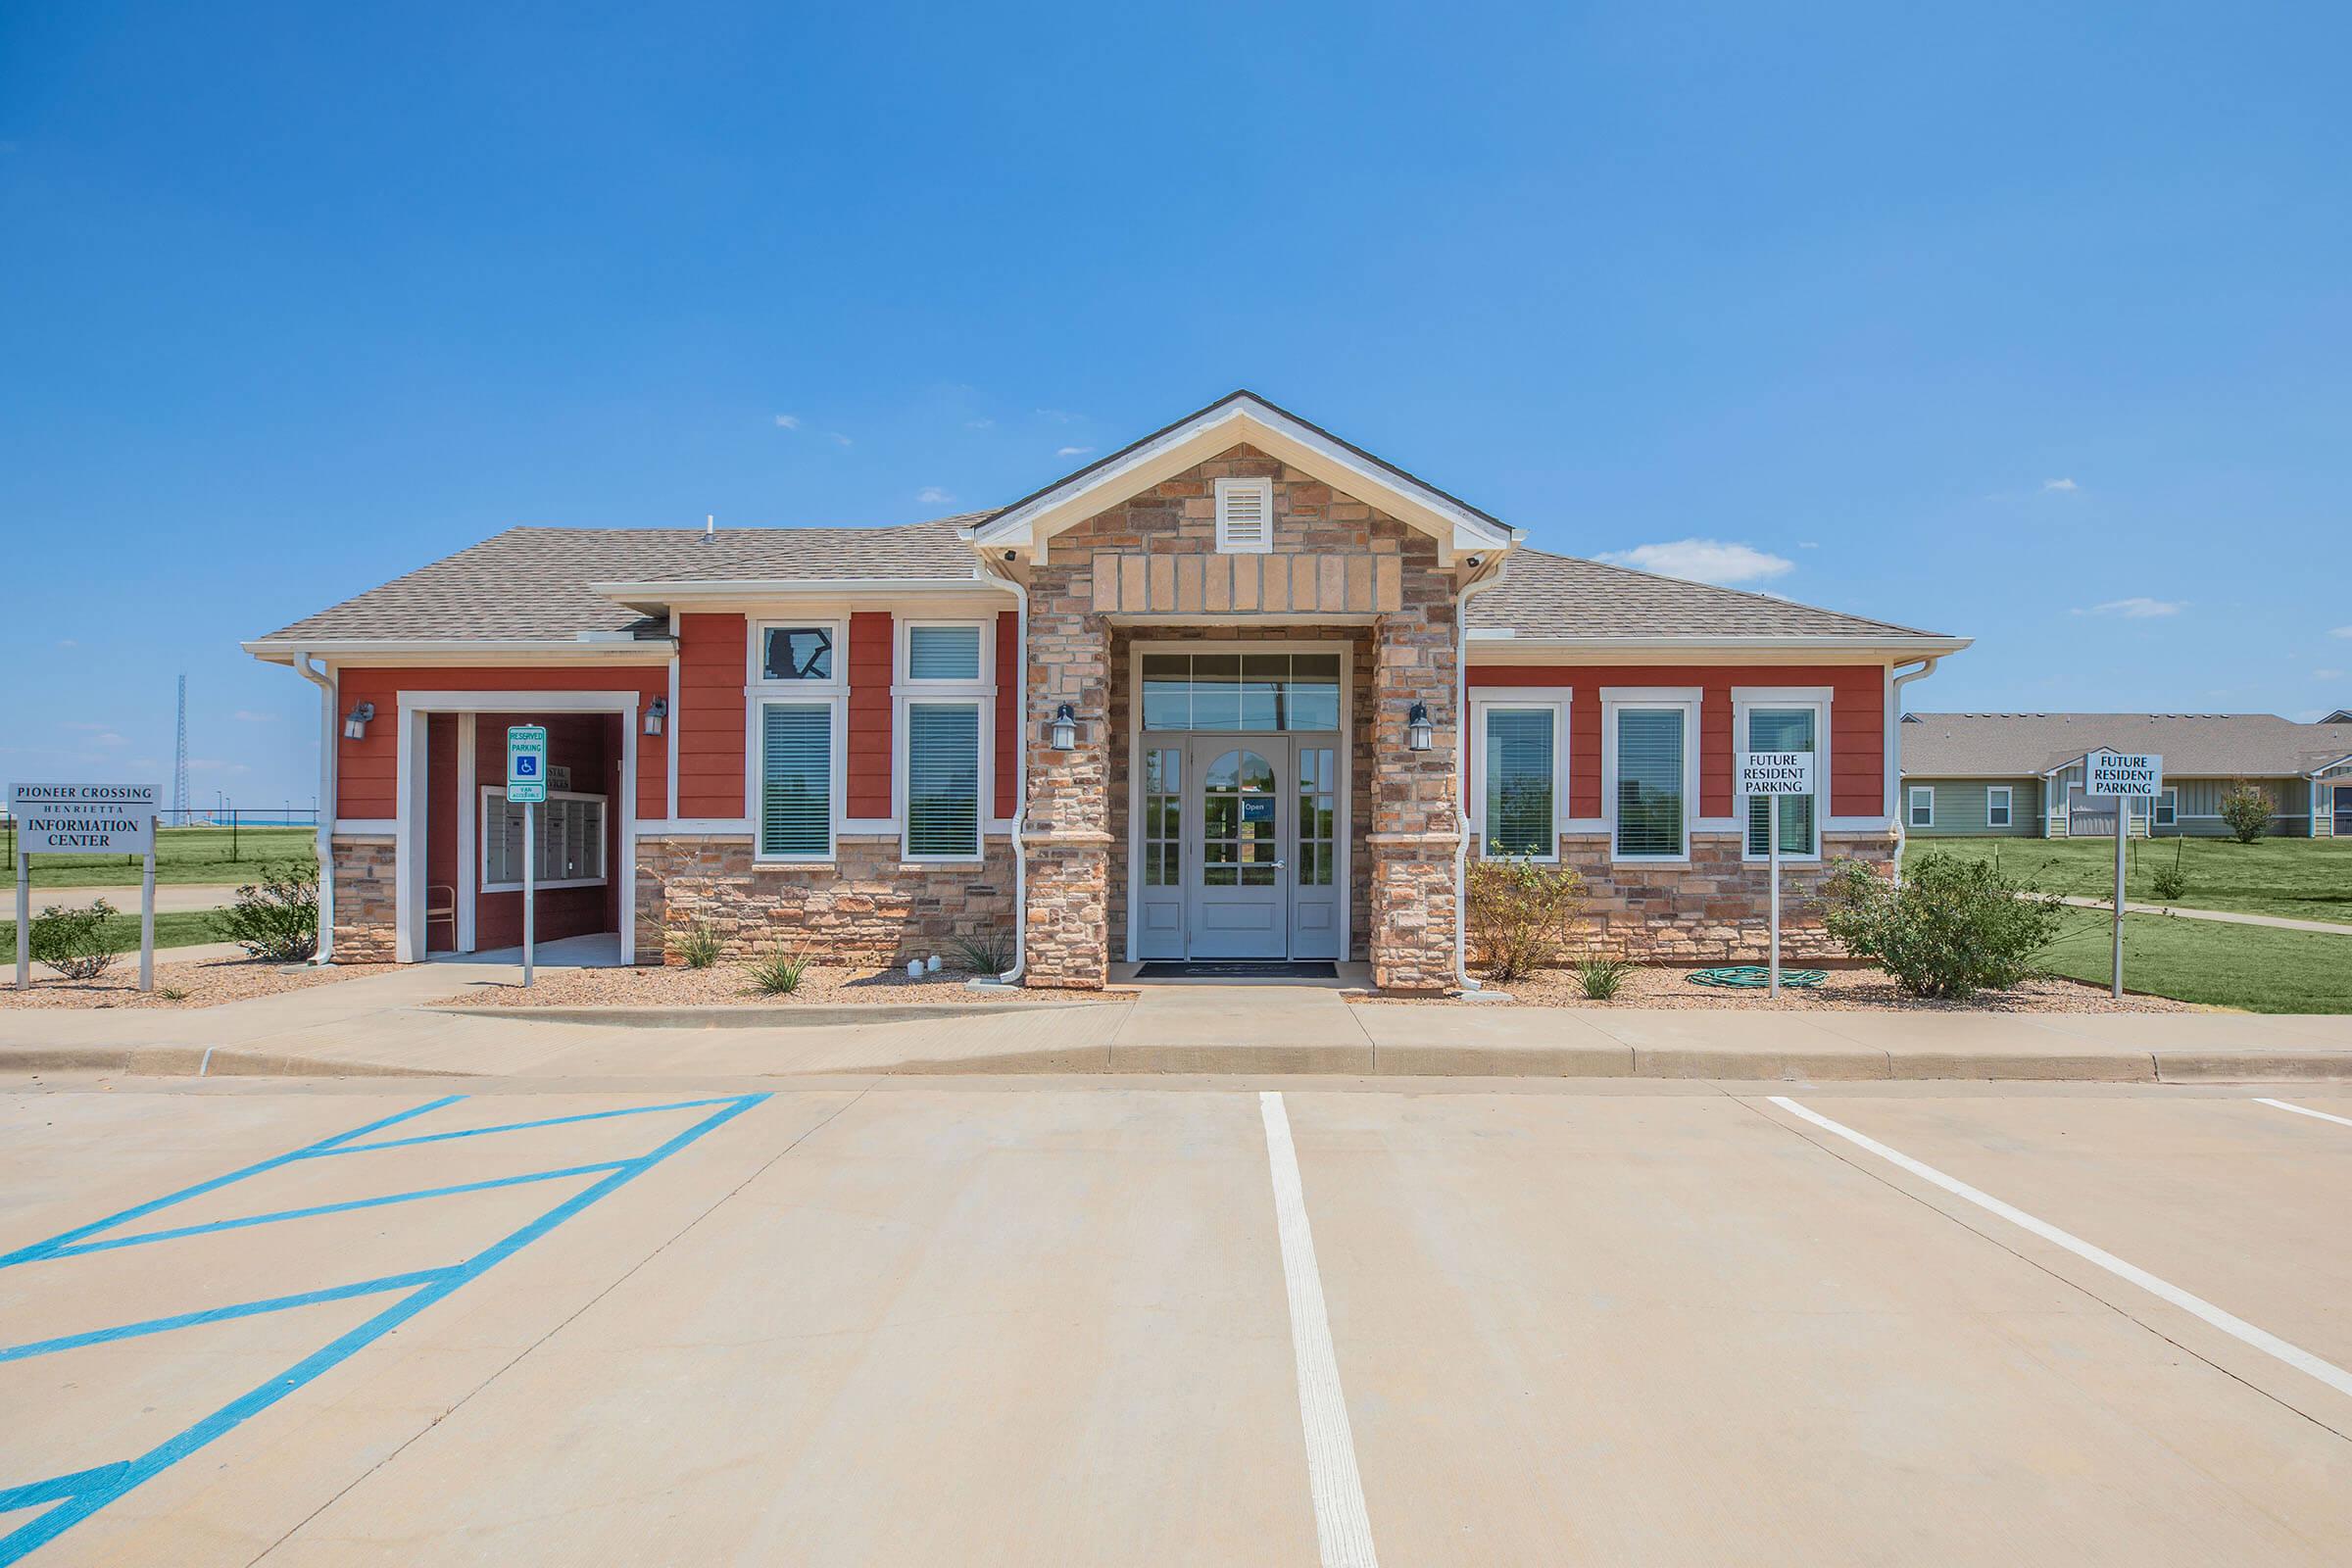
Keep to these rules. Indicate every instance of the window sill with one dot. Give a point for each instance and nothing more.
(1649, 859)
(938, 862)
(768, 862)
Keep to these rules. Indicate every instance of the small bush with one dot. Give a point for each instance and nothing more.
(2170, 882)
(277, 918)
(984, 953)
(1519, 913)
(2245, 811)
(699, 947)
(171, 992)
(78, 944)
(1601, 978)
(779, 974)
(1949, 929)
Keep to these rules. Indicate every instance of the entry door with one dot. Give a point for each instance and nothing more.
(2343, 811)
(1241, 801)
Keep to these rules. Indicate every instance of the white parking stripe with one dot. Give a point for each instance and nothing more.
(2304, 1110)
(2302, 1360)
(1343, 1529)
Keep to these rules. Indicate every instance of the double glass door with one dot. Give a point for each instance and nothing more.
(1239, 847)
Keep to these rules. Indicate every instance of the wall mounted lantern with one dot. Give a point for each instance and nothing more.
(1416, 728)
(654, 713)
(356, 722)
(1064, 735)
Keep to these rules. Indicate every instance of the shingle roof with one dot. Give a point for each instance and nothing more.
(1544, 595)
(2192, 745)
(531, 584)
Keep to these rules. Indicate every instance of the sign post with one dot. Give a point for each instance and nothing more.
(527, 787)
(2126, 776)
(1773, 774)
(84, 819)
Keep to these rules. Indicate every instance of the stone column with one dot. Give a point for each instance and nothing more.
(1066, 836)
(1416, 796)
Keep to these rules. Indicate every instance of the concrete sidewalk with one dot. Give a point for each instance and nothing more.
(170, 897)
(377, 1026)
(2280, 922)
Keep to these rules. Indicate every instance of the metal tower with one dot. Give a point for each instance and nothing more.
(179, 758)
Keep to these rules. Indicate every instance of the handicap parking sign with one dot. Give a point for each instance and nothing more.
(526, 765)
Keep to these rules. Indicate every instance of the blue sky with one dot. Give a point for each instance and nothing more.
(2028, 325)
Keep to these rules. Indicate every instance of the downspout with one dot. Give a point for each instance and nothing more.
(1020, 782)
(1463, 741)
(326, 682)
(1895, 808)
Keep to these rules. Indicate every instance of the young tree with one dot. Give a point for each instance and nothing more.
(2246, 810)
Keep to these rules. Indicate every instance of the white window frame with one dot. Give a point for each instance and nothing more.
(1819, 699)
(755, 672)
(795, 694)
(603, 855)
(1528, 698)
(1911, 800)
(984, 677)
(1263, 489)
(980, 691)
(903, 772)
(2168, 808)
(2007, 794)
(1615, 700)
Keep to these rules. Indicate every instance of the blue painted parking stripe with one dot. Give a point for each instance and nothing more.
(512, 1127)
(221, 1314)
(105, 1487)
(58, 1487)
(43, 1248)
(111, 1243)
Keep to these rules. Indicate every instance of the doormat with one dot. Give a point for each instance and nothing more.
(1240, 969)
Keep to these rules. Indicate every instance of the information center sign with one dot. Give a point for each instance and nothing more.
(84, 818)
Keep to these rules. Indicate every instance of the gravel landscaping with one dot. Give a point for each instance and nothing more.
(1845, 990)
(187, 985)
(731, 985)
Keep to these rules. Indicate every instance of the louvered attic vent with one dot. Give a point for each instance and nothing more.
(1244, 517)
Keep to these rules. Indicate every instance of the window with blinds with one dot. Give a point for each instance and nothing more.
(570, 847)
(1244, 517)
(1648, 786)
(1783, 729)
(943, 780)
(796, 781)
(1519, 763)
(942, 653)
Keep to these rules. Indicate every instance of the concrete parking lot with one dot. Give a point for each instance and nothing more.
(1109, 1320)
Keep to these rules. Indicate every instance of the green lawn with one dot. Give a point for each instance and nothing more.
(182, 854)
(2303, 879)
(2259, 968)
(182, 930)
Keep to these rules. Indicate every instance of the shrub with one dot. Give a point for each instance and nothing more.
(1948, 929)
(1601, 977)
(2246, 811)
(984, 953)
(1519, 913)
(2171, 882)
(78, 944)
(277, 918)
(779, 974)
(699, 945)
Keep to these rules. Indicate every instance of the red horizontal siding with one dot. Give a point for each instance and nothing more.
(868, 743)
(712, 654)
(367, 770)
(1858, 724)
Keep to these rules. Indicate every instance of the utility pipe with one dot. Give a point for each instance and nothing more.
(329, 730)
(1895, 808)
(1020, 787)
(1463, 741)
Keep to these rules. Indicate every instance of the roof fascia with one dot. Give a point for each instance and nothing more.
(1489, 642)
(1032, 524)
(461, 651)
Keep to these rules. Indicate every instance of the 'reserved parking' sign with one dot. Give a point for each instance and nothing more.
(2137, 773)
(526, 765)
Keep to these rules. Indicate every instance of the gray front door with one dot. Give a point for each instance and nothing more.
(2343, 811)
(1239, 793)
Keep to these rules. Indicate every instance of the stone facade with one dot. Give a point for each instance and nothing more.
(1154, 549)
(867, 906)
(1717, 910)
(365, 924)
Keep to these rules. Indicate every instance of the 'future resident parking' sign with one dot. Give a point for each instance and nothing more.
(1776, 772)
(2123, 773)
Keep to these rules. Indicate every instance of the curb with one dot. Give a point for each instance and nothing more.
(199, 1061)
(724, 1015)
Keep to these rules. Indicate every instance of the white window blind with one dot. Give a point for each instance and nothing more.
(1245, 516)
(795, 780)
(1783, 729)
(1997, 805)
(942, 653)
(1520, 786)
(1650, 781)
(943, 779)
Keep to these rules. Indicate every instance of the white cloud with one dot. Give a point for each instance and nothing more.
(979, 425)
(246, 715)
(839, 440)
(1071, 452)
(1704, 560)
(2327, 674)
(1059, 416)
(2341, 632)
(788, 422)
(67, 642)
(2062, 486)
(1808, 543)
(932, 495)
(2137, 607)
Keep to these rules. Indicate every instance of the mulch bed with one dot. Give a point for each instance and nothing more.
(186, 984)
(1847, 990)
(731, 985)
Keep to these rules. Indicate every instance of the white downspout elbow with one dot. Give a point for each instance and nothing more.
(1894, 755)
